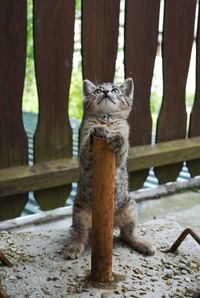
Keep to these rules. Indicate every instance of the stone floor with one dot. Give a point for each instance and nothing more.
(182, 207)
(39, 269)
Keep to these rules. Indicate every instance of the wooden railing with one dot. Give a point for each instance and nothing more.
(54, 168)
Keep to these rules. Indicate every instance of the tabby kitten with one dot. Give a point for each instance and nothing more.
(107, 108)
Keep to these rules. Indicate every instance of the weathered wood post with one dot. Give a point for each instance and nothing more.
(102, 210)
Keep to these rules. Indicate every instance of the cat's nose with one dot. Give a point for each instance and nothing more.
(105, 91)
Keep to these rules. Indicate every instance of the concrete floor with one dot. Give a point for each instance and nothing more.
(40, 270)
(182, 208)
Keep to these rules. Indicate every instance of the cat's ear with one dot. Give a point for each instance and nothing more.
(88, 87)
(128, 88)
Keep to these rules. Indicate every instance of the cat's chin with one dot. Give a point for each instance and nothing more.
(108, 107)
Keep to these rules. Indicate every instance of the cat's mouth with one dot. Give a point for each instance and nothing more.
(106, 97)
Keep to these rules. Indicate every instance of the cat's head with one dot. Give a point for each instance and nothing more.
(108, 98)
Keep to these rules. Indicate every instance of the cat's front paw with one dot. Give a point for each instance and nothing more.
(115, 142)
(73, 251)
(99, 132)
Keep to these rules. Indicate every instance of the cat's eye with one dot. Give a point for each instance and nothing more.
(97, 91)
(115, 90)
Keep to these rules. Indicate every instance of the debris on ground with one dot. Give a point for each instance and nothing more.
(39, 269)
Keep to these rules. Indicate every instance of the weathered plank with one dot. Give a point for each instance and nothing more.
(141, 38)
(194, 127)
(100, 21)
(178, 35)
(13, 140)
(53, 37)
(39, 176)
(165, 153)
(65, 171)
(61, 213)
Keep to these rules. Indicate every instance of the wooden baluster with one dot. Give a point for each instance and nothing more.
(194, 128)
(100, 22)
(53, 38)
(13, 140)
(178, 36)
(141, 39)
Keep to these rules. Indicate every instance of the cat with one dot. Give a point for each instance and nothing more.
(106, 111)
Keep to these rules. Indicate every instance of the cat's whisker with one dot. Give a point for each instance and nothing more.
(98, 102)
(111, 100)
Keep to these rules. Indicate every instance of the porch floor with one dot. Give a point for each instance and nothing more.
(182, 208)
(39, 269)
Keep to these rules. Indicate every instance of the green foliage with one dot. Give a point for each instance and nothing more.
(75, 96)
(189, 100)
(155, 102)
(78, 5)
(30, 101)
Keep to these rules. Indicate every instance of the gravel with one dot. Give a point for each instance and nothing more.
(39, 269)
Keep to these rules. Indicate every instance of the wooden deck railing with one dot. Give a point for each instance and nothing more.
(54, 168)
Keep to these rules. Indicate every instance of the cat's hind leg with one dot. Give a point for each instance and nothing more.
(126, 219)
(79, 233)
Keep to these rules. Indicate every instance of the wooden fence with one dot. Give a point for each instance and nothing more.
(55, 169)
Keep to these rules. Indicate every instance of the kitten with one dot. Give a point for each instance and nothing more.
(106, 111)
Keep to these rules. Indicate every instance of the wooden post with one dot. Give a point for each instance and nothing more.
(102, 210)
